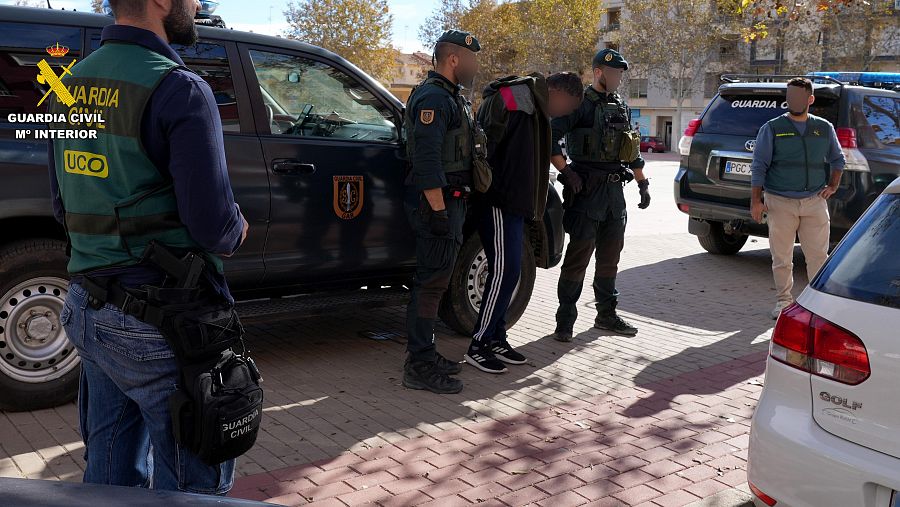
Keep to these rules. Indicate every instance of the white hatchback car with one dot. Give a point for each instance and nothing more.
(826, 432)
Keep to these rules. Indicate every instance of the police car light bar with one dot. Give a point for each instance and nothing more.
(888, 80)
(774, 78)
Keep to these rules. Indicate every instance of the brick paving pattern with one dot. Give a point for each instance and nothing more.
(658, 419)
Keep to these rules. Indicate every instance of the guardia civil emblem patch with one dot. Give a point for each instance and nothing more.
(348, 196)
(608, 57)
(426, 116)
(468, 40)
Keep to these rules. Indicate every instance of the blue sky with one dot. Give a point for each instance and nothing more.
(254, 15)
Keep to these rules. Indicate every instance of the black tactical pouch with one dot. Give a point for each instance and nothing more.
(482, 173)
(217, 411)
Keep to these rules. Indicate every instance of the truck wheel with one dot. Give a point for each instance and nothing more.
(39, 367)
(462, 301)
(720, 243)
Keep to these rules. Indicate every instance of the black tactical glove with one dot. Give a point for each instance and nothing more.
(439, 222)
(570, 178)
(644, 186)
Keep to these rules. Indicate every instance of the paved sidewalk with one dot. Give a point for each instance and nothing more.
(602, 415)
(670, 443)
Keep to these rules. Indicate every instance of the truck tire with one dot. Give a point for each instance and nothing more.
(39, 367)
(462, 301)
(719, 243)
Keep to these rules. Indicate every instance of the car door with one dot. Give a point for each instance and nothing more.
(216, 61)
(332, 145)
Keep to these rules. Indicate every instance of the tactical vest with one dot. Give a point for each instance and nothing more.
(457, 150)
(610, 138)
(116, 200)
(798, 162)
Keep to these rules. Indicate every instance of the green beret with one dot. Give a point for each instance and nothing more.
(610, 58)
(464, 39)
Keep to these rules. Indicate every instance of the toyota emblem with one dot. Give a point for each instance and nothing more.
(750, 144)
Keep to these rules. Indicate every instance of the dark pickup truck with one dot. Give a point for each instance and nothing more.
(317, 163)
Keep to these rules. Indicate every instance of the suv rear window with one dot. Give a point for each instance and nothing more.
(866, 266)
(744, 114)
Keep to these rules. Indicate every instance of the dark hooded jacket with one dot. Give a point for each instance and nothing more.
(514, 116)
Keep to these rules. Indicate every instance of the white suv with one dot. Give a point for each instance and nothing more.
(826, 431)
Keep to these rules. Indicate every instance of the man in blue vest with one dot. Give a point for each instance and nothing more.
(797, 162)
(157, 173)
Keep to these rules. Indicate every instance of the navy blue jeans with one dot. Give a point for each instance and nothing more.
(128, 372)
(501, 234)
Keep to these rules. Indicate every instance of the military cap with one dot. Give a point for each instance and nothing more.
(610, 58)
(464, 39)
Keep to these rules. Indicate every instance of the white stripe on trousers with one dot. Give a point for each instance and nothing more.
(489, 306)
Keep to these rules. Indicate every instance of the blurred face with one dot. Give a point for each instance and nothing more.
(608, 77)
(798, 100)
(179, 22)
(561, 103)
(465, 66)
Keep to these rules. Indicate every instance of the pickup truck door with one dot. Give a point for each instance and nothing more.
(336, 165)
(216, 61)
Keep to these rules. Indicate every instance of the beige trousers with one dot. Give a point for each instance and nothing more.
(788, 219)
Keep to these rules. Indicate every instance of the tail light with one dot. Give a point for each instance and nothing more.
(766, 499)
(810, 343)
(684, 144)
(855, 159)
(846, 137)
(685, 208)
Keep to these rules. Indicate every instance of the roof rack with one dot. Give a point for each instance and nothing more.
(775, 78)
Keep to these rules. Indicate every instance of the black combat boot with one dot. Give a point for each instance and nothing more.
(426, 375)
(448, 367)
(612, 322)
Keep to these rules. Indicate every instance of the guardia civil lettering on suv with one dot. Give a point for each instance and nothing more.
(317, 164)
(713, 183)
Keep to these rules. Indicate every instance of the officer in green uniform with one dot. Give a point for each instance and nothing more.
(605, 154)
(440, 133)
(115, 194)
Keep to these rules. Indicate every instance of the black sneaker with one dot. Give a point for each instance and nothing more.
(504, 352)
(561, 335)
(485, 360)
(448, 367)
(615, 324)
(426, 376)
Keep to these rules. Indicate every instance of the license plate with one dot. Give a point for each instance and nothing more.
(737, 170)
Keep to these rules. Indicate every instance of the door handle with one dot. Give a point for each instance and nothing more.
(292, 167)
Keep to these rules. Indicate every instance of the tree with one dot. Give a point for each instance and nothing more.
(675, 43)
(97, 6)
(811, 35)
(521, 36)
(561, 35)
(498, 27)
(358, 30)
(30, 3)
(444, 17)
